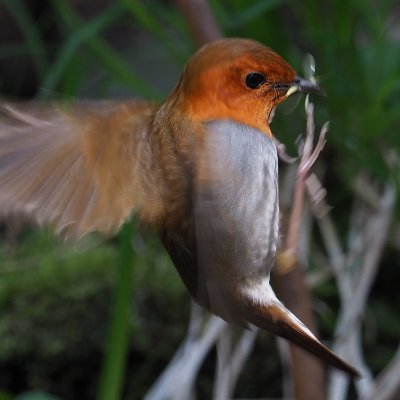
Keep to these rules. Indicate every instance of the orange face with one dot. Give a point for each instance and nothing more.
(234, 79)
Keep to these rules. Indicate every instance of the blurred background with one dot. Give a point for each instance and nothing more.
(101, 320)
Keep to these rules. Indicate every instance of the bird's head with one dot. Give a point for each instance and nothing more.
(236, 79)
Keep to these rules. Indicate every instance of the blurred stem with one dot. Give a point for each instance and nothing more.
(105, 54)
(145, 16)
(117, 347)
(200, 19)
(70, 48)
(27, 25)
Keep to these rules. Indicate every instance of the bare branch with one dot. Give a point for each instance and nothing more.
(291, 286)
(308, 158)
(309, 162)
(230, 366)
(200, 20)
(281, 149)
(222, 384)
(354, 288)
(187, 360)
(373, 250)
(388, 383)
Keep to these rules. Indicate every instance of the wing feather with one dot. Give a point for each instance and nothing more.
(75, 166)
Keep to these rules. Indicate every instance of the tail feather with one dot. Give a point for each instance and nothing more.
(279, 320)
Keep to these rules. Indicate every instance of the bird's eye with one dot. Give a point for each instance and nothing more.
(254, 80)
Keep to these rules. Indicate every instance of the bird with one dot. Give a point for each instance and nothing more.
(200, 168)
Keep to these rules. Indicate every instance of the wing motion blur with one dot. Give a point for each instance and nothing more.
(69, 165)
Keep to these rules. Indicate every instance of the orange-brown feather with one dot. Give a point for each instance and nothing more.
(82, 167)
(212, 85)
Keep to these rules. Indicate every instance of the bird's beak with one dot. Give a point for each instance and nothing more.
(277, 319)
(303, 86)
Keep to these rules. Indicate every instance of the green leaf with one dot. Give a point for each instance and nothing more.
(117, 347)
(36, 395)
(74, 42)
(105, 54)
(33, 40)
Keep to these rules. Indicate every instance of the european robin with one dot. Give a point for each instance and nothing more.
(201, 168)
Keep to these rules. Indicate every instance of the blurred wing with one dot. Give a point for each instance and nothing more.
(75, 166)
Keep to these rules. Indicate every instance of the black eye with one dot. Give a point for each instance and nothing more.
(254, 80)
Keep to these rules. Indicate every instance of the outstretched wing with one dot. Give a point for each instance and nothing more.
(76, 166)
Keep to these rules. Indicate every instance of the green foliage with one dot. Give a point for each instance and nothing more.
(358, 58)
(117, 346)
(31, 292)
(34, 43)
(56, 303)
(36, 395)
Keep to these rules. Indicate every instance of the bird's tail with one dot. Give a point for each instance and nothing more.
(277, 319)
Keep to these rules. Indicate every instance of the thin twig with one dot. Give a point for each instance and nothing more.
(387, 385)
(186, 362)
(230, 367)
(354, 288)
(307, 160)
(291, 286)
(200, 20)
(222, 377)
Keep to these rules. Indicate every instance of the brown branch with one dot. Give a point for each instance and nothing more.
(291, 286)
(200, 20)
